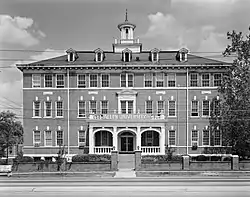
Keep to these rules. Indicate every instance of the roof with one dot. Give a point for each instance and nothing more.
(111, 58)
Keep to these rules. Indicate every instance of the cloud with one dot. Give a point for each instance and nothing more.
(48, 53)
(19, 30)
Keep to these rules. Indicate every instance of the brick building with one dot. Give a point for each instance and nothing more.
(126, 99)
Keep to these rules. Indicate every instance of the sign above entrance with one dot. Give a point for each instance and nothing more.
(126, 117)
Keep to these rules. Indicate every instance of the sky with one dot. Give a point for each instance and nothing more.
(32, 30)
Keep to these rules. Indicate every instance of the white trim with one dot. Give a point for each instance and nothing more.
(205, 116)
(40, 111)
(204, 129)
(84, 115)
(162, 73)
(174, 137)
(174, 74)
(56, 137)
(45, 80)
(197, 109)
(102, 108)
(152, 79)
(77, 81)
(57, 80)
(198, 85)
(96, 79)
(45, 138)
(34, 137)
(90, 112)
(79, 138)
(40, 81)
(174, 109)
(56, 109)
(45, 115)
(101, 80)
(146, 106)
(197, 137)
(157, 106)
(209, 79)
(126, 81)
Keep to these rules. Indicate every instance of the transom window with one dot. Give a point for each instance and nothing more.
(48, 81)
(193, 79)
(127, 80)
(59, 138)
(59, 109)
(37, 136)
(149, 107)
(92, 107)
(148, 80)
(37, 109)
(93, 80)
(48, 138)
(104, 107)
(195, 137)
(48, 109)
(217, 79)
(194, 108)
(159, 79)
(171, 108)
(81, 82)
(36, 80)
(127, 107)
(205, 80)
(206, 137)
(81, 109)
(171, 138)
(105, 80)
(205, 108)
(81, 138)
(60, 80)
(171, 80)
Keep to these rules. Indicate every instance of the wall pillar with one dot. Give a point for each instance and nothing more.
(185, 162)
(115, 144)
(137, 160)
(114, 160)
(235, 162)
(162, 140)
(91, 141)
(138, 139)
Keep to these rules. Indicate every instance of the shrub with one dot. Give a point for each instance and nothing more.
(201, 158)
(24, 159)
(215, 158)
(161, 158)
(91, 158)
(227, 159)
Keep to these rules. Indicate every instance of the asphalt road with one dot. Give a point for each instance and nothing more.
(129, 187)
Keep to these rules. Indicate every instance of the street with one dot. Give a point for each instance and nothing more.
(172, 186)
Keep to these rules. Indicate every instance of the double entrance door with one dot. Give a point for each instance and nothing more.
(127, 142)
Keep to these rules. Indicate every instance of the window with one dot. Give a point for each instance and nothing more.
(99, 57)
(48, 109)
(205, 108)
(171, 138)
(104, 107)
(71, 57)
(93, 80)
(36, 81)
(81, 109)
(205, 80)
(127, 107)
(81, 138)
(171, 80)
(37, 109)
(195, 138)
(48, 81)
(48, 138)
(103, 138)
(171, 108)
(149, 107)
(150, 138)
(60, 80)
(160, 107)
(159, 79)
(217, 137)
(59, 138)
(183, 56)
(81, 81)
(148, 80)
(205, 140)
(154, 57)
(127, 80)
(126, 57)
(193, 79)
(37, 137)
(105, 80)
(217, 79)
(59, 109)
(194, 108)
(217, 107)
(92, 107)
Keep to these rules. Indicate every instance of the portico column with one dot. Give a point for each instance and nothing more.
(162, 140)
(138, 138)
(115, 145)
(91, 141)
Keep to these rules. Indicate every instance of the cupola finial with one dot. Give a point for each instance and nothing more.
(126, 17)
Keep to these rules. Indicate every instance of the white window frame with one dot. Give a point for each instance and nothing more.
(85, 84)
(159, 80)
(168, 76)
(90, 110)
(194, 141)
(45, 144)
(208, 108)
(38, 142)
(36, 83)
(96, 81)
(34, 116)
(57, 138)
(45, 108)
(127, 106)
(192, 108)
(163, 112)
(203, 137)
(217, 80)
(127, 81)
(202, 80)
(57, 109)
(51, 80)
(129, 56)
(83, 143)
(169, 108)
(172, 137)
(146, 109)
(60, 86)
(101, 84)
(97, 56)
(153, 57)
(101, 106)
(196, 81)
(152, 81)
(220, 137)
(84, 115)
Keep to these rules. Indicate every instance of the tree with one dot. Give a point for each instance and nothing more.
(11, 131)
(231, 114)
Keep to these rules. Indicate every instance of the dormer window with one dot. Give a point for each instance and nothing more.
(183, 54)
(155, 55)
(71, 55)
(127, 55)
(99, 55)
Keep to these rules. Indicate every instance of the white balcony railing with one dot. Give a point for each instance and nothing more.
(103, 149)
(150, 150)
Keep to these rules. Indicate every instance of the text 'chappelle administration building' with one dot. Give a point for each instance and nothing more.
(126, 99)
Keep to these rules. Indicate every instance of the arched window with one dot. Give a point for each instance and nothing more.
(103, 138)
(150, 138)
(127, 57)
